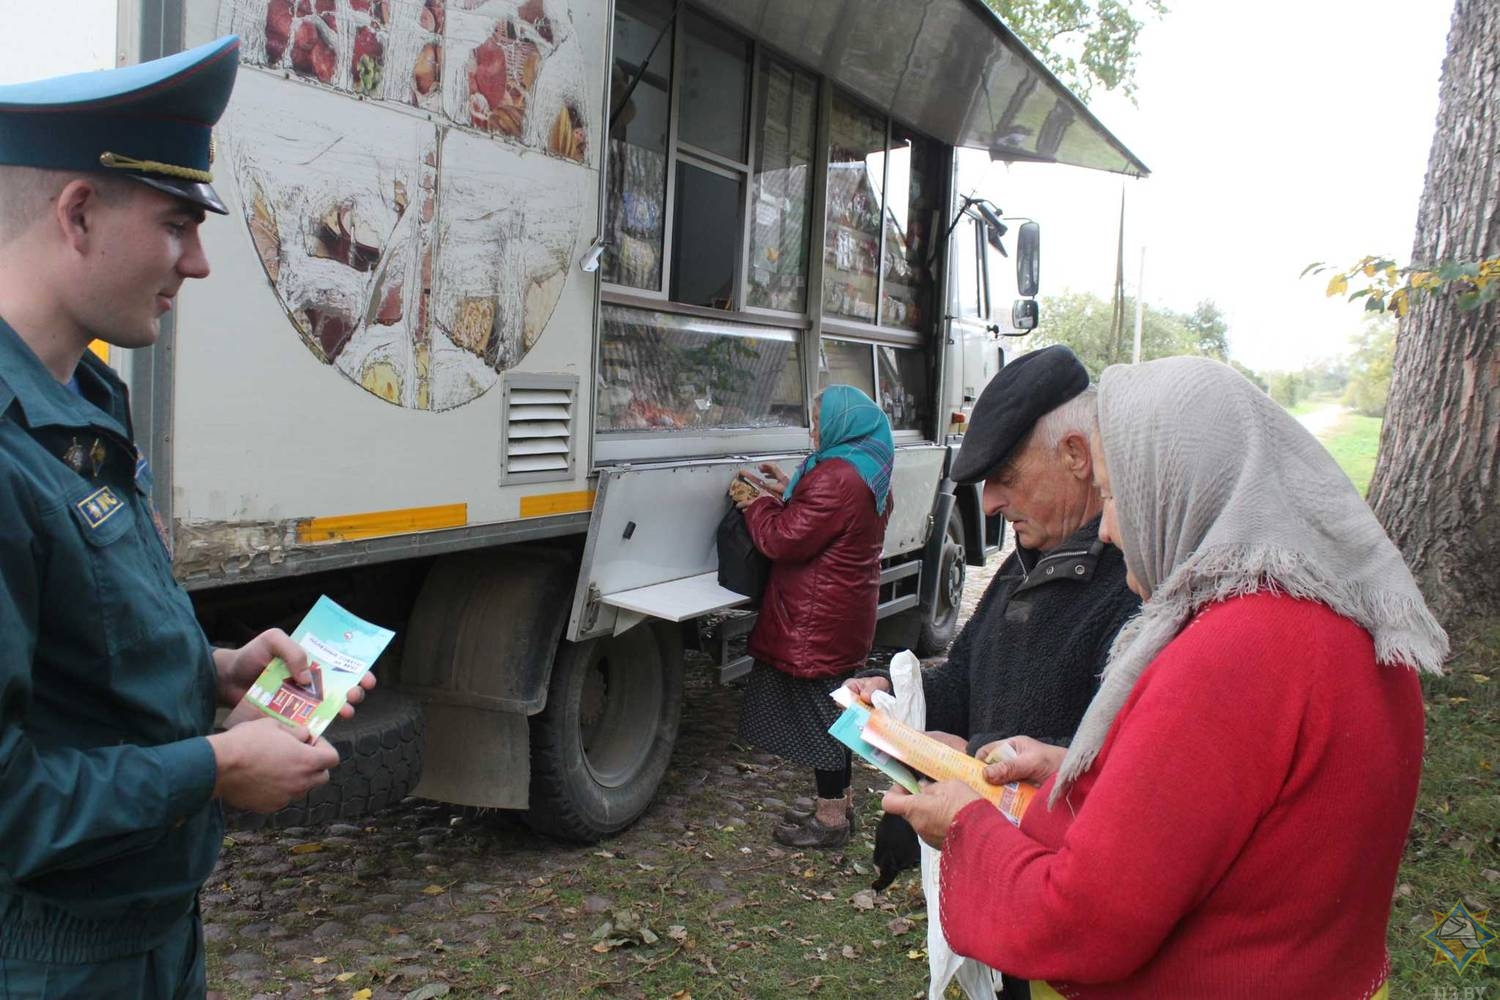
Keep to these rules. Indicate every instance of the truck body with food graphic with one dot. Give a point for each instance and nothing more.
(508, 292)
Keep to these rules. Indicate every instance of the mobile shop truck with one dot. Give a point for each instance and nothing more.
(509, 289)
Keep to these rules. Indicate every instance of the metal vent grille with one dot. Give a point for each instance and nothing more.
(536, 440)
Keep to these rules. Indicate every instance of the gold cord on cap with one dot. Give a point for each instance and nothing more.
(119, 162)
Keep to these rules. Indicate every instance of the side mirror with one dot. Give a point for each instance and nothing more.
(1025, 315)
(1028, 258)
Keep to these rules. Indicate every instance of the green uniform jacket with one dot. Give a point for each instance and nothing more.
(107, 683)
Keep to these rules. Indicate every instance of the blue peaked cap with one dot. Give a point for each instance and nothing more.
(152, 121)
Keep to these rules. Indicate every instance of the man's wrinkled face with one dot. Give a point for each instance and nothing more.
(1044, 499)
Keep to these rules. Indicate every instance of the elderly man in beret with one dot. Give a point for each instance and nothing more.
(110, 781)
(1028, 661)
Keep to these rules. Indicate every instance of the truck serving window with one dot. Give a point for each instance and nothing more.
(896, 377)
(786, 130)
(914, 186)
(847, 363)
(636, 202)
(715, 216)
(856, 186)
(663, 372)
(903, 386)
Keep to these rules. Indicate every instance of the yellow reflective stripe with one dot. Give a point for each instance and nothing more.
(543, 504)
(347, 527)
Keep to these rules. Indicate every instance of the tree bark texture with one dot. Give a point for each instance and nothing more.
(1437, 478)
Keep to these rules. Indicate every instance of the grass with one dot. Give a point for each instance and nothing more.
(713, 914)
(1353, 442)
(1453, 849)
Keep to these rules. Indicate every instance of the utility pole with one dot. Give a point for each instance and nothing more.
(1140, 290)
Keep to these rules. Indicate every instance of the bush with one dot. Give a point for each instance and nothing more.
(1287, 388)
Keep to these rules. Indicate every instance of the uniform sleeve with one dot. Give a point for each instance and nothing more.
(1201, 756)
(799, 529)
(61, 807)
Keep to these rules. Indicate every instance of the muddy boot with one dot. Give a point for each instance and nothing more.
(796, 816)
(828, 826)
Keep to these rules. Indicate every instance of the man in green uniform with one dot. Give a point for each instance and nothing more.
(109, 780)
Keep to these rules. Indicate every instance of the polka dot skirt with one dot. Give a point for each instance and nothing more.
(790, 716)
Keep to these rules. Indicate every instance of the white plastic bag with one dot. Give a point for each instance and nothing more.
(977, 980)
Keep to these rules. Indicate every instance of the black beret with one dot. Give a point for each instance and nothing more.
(1016, 398)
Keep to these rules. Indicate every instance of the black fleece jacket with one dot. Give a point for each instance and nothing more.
(1028, 662)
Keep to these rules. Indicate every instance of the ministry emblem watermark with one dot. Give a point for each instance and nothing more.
(1460, 937)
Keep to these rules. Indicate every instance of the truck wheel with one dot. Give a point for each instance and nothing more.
(942, 623)
(380, 760)
(600, 747)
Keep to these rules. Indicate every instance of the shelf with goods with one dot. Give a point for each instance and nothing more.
(851, 251)
(907, 290)
(782, 188)
(778, 257)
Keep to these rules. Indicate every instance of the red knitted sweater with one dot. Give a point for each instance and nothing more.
(1238, 835)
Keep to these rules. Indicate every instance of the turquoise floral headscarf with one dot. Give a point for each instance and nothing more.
(852, 427)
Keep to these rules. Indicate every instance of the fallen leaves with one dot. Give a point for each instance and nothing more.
(625, 927)
(899, 926)
(312, 847)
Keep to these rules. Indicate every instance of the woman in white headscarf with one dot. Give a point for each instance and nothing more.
(1229, 819)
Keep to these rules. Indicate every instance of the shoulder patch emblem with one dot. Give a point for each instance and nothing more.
(99, 506)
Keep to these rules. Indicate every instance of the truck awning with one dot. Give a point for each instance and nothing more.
(949, 68)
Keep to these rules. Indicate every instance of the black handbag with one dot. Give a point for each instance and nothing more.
(743, 568)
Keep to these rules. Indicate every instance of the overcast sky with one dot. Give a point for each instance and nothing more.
(1278, 133)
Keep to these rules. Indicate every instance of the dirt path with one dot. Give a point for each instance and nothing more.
(1322, 420)
(693, 901)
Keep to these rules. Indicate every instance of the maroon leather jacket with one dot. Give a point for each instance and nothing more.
(817, 618)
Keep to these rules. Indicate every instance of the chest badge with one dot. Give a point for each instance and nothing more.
(74, 457)
(97, 455)
(99, 506)
(78, 458)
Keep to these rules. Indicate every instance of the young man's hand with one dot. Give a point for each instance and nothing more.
(238, 668)
(263, 765)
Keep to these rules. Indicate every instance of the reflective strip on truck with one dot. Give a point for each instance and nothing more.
(543, 504)
(347, 527)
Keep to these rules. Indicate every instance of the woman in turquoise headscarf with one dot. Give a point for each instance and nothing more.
(823, 529)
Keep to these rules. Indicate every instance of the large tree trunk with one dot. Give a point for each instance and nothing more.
(1437, 479)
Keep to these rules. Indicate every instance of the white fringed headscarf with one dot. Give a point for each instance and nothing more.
(1220, 492)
